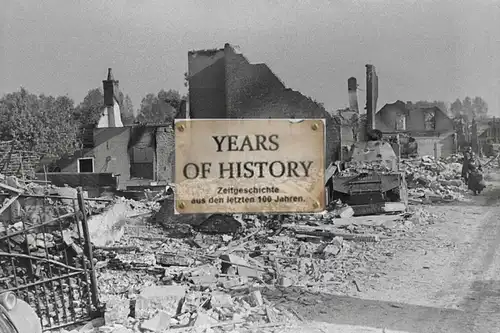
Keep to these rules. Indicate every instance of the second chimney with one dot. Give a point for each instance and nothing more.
(352, 87)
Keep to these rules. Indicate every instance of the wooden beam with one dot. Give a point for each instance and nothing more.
(9, 202)
(10, 188)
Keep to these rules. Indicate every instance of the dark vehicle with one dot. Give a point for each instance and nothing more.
(373, 180)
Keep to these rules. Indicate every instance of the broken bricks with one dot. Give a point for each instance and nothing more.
(161, 321)
(256, 298)
(221, 300)
(156, 298)
(117, 310)
(237, 265)
(172, 259)
(345, 212)
(204, 276)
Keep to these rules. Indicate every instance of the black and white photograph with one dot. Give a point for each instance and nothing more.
(265, 166)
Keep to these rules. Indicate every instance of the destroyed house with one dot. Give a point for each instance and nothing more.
(488, 135)
(138, 156)
(16, 162)
(350, 126)
(432, 129)
(488, 130)
(224, 84)
(121, 157)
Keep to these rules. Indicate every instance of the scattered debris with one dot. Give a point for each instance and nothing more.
(434, 181)
(158, 272)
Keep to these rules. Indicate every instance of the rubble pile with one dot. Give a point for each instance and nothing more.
(430, 180)
(204, 283)
(216, 272)
(219, 282)
(357, 167)
(420, 216)
(40, 240)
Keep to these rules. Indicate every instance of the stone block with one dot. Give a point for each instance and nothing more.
(163, 298)
(158, 323)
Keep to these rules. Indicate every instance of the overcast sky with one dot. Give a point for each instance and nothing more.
(422, 50)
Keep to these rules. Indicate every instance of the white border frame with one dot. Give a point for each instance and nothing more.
(85, 158)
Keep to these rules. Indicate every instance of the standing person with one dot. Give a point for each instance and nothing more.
(475, 178)
(474, 162)
(465, 164)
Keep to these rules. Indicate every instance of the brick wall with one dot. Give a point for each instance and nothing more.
(386, 118)
(16, 162)
(207, 97)
(247, 85)
(165, 154)
(254, 91)
(224, 84)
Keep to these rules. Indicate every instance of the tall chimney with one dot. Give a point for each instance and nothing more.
(474, 138)
(352, 87)
(371, 96)
(111, 107)
(110, 87)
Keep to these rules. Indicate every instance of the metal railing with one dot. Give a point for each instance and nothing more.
(46, 259)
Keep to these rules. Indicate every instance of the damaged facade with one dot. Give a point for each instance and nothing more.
(488, 135)
(224, 84)
(432, 129)
(136, 155)
(15, 162)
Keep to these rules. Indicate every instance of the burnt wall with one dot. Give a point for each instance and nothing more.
(207, 96)
(165, 154)
(253, 91)
(415, 119)
(246, 84)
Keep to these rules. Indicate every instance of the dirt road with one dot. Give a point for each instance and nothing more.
(447, 279)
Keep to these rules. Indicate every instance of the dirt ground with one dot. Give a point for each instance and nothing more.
(443, 278)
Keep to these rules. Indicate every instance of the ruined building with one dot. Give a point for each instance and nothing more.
(224, 84)
(430, 127)
(125, 157)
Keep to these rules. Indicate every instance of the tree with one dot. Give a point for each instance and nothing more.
(172, 97)
(469, 108)
(426, 104)
(44, 124)
(147, 112)
(456, 108)
(127, 111)
(89, 111)
(150, 112)
(479, 107)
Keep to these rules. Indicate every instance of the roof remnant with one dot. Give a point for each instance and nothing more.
(206, 52)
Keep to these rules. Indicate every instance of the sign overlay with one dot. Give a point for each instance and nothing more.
(249, 166)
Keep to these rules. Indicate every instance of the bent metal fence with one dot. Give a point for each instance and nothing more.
(46, 259)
